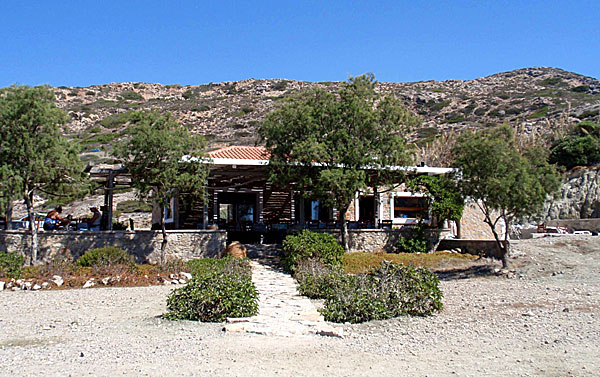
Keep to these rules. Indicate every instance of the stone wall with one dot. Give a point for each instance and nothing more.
(473, 227)
(144, 245)
(370, 240)
(487, 248)
(576, 224)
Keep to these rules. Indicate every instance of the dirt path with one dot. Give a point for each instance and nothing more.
(543, 321)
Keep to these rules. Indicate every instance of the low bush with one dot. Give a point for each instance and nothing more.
(386, 292)
(317, 279)
(105, 256)
(308, 245)
(415, 242)
(227, 265)
(11, 265)
(220, 288)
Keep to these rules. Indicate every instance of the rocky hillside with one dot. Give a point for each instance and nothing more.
(535, 99)
(578, 198)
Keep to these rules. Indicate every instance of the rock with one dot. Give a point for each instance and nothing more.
(36, 287)
(45, 284)
(182, 281)
(186, 275)
(327, 330)
(166, 282)
(27, 285)
(171, 276)
(2, 285)
(236, 250)
(106, 280)
(57, 280)
(90, 283)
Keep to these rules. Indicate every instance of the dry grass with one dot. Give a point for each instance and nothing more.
(361, 262)
(123, 275)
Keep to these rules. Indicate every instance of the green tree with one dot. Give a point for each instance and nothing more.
(329, 145)
(163, 158)
(34, 156)
(506, 184)
(581, 147)
(443, 196)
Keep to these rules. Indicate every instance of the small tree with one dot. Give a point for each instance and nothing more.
(505, 183)
(443, 196)
(159, 155)
(326, 144)
(34, 156)
(581, 147)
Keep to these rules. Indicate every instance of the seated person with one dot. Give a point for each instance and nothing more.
(53, 219)
(92, 223)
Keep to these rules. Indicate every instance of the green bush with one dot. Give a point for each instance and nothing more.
(415, 242)
(105, 256)
(389, 291)
(220, 288)
(581, 147)
(131, 95)
(317, 279)
(309, 244)
(11, 265)
(227, 265)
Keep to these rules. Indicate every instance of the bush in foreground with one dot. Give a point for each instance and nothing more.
(309, 244)
(386, 292)
(104, 257)
(11, 265)
(317, 279)
(220, 289)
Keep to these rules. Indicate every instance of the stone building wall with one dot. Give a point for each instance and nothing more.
(143, 245)
(473, 227)
(370, 240)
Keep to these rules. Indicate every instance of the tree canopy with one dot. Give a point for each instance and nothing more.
(162, 157)
(34, 156)
(325, 144)
(505, 183)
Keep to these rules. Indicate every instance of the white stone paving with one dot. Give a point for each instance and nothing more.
(282, 310)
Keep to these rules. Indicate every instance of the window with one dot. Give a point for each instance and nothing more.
(170, 211)
(406, 207)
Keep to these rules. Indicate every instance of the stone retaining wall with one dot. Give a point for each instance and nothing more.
(487, 248)
(576, 224)
(143, 244)
(369, 240)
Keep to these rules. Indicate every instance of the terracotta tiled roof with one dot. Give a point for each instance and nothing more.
(241, 153)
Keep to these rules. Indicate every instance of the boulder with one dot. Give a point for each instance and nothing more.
(236, 250)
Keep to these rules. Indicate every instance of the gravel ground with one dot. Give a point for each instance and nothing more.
(541, 319)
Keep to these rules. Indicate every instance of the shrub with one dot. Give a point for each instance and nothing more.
(415, 242)
(317, 279)
(581, 147)
(309, 244)
(105, 256)
(386, 292)
(220, 288)
(11, 265)
(227, 265)
(131, 95)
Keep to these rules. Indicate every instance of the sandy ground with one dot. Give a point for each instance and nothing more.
(541, 320)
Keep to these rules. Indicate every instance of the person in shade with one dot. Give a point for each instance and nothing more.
(91, 223)
(53, 219)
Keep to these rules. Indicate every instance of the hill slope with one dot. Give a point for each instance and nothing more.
(228, 113)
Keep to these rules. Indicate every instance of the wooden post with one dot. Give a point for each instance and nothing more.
(109, 188)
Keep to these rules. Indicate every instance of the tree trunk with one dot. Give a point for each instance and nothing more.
(163, 245)
(32, 228)
(377, 203)
(503, 248)
(344, 229)
(9, 210)
(458, 229)
(506, 252)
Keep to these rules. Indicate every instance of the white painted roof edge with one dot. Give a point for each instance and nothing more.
(249, 162)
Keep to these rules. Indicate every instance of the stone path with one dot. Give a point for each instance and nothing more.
(282, 310)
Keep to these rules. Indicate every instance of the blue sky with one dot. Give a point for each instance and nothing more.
(83, 43)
